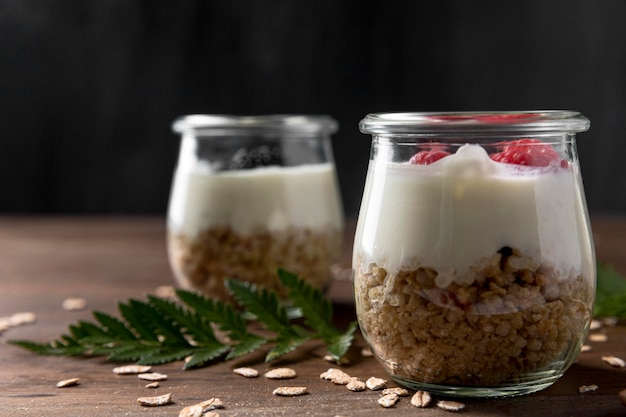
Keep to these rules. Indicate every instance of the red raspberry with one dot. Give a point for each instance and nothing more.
(428, 157)
(529, 152)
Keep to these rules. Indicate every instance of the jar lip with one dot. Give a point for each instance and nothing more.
(270, 122)
(407, 123)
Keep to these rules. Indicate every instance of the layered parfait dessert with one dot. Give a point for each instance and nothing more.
(473, 265)
(247, 223)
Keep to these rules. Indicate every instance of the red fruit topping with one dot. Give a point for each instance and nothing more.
(529, 152)
(428, 157)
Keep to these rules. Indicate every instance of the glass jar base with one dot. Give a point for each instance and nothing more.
(531, 383)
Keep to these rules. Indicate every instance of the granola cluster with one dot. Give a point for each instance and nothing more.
(206, 261)
(516, 318)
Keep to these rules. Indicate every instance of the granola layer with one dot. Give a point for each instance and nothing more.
(511, 322)
(206, 261)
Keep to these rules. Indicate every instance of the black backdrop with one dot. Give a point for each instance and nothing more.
(88, 89)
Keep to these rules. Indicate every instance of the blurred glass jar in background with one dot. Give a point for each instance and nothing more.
(252, 194)
(474, 269)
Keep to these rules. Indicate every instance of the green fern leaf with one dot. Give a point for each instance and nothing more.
(284, 346)
(318, 313)
(264, 305)
(160, 331)
(114, 327)
(204, 355)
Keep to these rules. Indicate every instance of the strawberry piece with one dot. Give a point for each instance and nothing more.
(428, 157)
(529, 152)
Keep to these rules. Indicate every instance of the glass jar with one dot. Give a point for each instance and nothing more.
(473, 263)
(250, 195)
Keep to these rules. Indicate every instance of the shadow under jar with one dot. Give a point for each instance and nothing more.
(250, 195)
(473, 263)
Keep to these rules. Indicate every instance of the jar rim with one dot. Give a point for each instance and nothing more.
(407, 123)
(270, 122)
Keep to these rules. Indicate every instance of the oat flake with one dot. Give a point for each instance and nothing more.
(68, 383)
(336, 376)
(211, 404)
(388, 400)
(614, 361)
(247, 372)
(156, 401)
(280, 373)
(191, 411)
(356, 385)
(376, 384)
(598, 337)
(290, 391)
(421, 399)
(400, 392)
(74, 304)
(131, 369)
(152, 376)
(450, 405)
(20, 319)
(587, 388)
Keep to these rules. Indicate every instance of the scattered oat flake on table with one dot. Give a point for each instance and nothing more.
(376, 384)
(388, 400)
(152, 376)
(191, 411)
(614, 361)
(4, 324)
(598, 337)
(131, 369)
(211, 404)
(68, 382)
(20, 319)
(153, 385)
(17, 319)
(366, 353)
(280, 373)
(341, 379)
(201, 409)
(356, 385)
(595, 325)
(247, 372)
(585, 348)
(74, 304)
(450, 405)
(290, 391)
(336, 376)
(421, 399)
(587, 388)
(155, 401)
(400, 392)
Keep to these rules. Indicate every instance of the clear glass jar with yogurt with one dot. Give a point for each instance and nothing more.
(250, 195)
(473, 263)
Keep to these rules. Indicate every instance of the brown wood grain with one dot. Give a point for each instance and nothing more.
(106, 260)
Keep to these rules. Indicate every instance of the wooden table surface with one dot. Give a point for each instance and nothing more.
(105, 260)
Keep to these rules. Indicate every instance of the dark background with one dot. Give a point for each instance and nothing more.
(88, 89)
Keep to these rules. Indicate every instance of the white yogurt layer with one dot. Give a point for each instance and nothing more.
(268, 198)
(464, 208)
